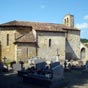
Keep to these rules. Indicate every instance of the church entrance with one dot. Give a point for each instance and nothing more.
(83, 53)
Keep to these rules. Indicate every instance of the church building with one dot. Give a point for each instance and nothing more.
(21, 40)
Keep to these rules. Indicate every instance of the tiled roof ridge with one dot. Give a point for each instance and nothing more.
(19, 21)
(38, 25)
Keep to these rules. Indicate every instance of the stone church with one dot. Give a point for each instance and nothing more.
(21, 40)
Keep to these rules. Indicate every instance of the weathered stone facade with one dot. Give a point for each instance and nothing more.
(23, 40)
(7, 51)
(51, 44)
(25, 47)
(12, 48)
(73, 44)
(25, 51)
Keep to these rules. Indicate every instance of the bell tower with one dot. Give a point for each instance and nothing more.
(68, 20)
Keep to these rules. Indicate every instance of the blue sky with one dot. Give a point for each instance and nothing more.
(51, 11)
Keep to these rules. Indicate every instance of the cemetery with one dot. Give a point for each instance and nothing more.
(40, 73)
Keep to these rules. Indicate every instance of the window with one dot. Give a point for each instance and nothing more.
(7, 39)
(49, 42)
(27, 52)
(67, 20)
(83, 53)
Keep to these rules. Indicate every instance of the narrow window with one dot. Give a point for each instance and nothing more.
(67, 20)
(7, 39)
(49, 42)
(27, 52)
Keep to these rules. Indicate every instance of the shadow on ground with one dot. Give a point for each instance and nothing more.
(12, 80)
(74, 79)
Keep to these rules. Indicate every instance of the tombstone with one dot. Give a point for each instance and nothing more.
(57, 70)
(17, 67)
(54, 59)
(31, 60)
(52, 65)
(35, 60)
(40, 66)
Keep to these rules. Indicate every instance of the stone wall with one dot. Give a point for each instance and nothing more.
(10, 51)
(21, 32)
(57, 46)
(25, 51)
(7, 51)
(73, 44)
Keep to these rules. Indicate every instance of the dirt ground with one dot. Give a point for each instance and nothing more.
(74, 79)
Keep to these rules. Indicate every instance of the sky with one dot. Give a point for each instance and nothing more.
(50, 11)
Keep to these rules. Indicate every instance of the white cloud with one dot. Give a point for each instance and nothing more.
(42, 6)
(86, 17)
(82, 25)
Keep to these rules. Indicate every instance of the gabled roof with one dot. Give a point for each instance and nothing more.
(38, 26)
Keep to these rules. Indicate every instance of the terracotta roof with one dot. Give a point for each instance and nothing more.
(37, 25)
(27, 38)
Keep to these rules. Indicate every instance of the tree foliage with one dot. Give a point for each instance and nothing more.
(84, 40)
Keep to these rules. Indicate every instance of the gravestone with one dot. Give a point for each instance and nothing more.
(17, 67)
(54, 59)
(57, 70)
(40, 66)
(35, 60)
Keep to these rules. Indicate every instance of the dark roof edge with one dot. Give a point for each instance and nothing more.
(15, 26)
(50, 30)
(24, 42)
(72, 29)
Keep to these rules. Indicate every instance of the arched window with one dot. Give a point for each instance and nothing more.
(82, 53)
(67, 20)
(49, 42)
(64, 21)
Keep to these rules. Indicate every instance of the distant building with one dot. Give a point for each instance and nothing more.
(21, 40)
